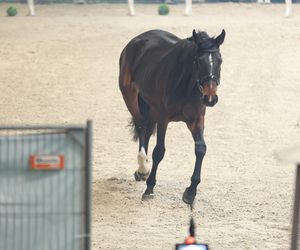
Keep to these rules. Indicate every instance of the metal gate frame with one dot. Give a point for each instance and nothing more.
(295, 225)
(87, 129)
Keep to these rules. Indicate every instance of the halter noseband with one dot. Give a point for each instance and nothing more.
(210, 77)
(206, 79)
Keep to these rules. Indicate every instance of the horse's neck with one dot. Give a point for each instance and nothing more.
(181, 85)
(181, 71)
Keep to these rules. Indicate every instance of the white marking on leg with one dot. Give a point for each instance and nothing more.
(142, 161)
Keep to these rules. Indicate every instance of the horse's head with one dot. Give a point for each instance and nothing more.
(208, 65)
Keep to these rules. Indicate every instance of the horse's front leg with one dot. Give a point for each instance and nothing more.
(196, 129)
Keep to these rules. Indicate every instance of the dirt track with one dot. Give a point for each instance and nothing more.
(62, 67)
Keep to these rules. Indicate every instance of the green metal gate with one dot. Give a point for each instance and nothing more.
(45, 187)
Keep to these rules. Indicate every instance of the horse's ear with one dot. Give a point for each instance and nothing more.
(195, 37)
(220, 38)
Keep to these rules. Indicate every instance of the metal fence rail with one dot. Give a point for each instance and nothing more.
(45, 187)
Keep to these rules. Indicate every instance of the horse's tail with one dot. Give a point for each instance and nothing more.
(134, 129)
(144, 122)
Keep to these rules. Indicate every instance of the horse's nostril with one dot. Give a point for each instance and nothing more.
(205, 98)
(216, 99)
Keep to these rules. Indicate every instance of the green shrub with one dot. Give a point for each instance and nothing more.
(163, 9)
(12, 11)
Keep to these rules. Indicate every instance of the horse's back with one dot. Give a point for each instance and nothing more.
(148, 48)
(158, 38)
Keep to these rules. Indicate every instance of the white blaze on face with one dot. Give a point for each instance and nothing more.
(211, 63)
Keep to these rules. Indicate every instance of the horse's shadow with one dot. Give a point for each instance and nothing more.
(124, 192)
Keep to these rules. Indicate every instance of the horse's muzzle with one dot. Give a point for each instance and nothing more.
(210, 97)
(210, 100)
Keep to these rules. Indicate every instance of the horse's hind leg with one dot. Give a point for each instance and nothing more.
(144, 129)
(144, 137)
(139, 111)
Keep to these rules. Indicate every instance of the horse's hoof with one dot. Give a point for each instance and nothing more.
(188, 196)
(147, 197)
(140, 176)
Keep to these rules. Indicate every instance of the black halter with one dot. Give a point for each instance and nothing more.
(201, 80)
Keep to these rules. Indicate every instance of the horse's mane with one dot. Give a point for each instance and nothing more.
(204, 41)
(202, 35)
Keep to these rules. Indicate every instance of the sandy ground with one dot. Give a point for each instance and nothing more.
(61, 66)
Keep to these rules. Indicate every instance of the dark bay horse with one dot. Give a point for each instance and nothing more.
(164, 78)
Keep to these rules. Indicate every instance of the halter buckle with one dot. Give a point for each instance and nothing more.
(200, 88)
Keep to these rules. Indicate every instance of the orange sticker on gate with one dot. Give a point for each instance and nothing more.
(47, 162)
